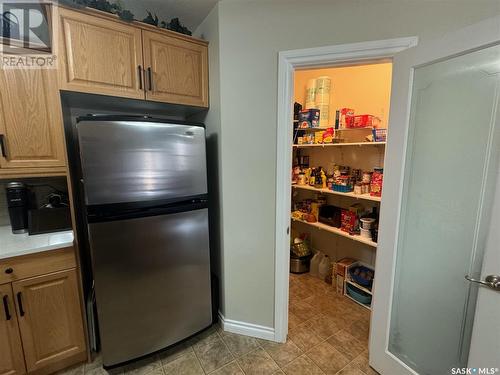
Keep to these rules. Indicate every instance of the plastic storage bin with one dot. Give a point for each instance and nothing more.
(358, 294)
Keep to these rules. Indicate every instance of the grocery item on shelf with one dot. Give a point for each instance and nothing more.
(377, 182)
(344, 112)
(311, 93)
(309, 118)
(340, 271)
(330, 215)
(379, 135)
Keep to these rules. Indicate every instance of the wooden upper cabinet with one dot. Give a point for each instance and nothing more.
(30, 119)
(179, 69)
(99, 56)
(11, 351)
(50, 320)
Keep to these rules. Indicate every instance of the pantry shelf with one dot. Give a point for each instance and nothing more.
(367, 197)
(340, 144)
(366, 290)
(339, 232)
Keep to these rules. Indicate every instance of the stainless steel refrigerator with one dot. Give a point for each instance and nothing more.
(145, 193)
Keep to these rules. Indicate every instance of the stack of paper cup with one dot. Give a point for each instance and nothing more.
(323, 87)
(311, 94)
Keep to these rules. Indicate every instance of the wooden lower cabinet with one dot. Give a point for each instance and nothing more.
(11, 350)
(50, 321)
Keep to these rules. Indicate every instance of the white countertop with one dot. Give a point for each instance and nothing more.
(12, 245)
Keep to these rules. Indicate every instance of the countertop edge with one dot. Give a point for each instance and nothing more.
(42, 249)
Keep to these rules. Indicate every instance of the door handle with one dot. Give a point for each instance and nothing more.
(139, 70)
(2, 145)
(491, 281)
(6, 307)
(150, 79)
(20, 303)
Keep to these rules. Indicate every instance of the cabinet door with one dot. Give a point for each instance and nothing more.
(30, 119)
(11, 350)
(179, 69)
(99, 55)
(50, 320)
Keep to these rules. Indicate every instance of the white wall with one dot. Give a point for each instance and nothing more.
(251, 35)
(209, 29)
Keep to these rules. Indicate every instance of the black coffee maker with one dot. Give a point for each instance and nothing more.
(17, 203)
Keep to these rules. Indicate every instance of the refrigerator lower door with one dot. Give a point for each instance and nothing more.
(152, 282)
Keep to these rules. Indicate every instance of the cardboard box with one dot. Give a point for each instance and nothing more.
(340, 271)
(342, 265)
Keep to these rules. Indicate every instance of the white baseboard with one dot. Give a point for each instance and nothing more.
(247, 329)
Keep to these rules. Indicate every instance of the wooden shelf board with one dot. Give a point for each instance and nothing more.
(339, 232)
(367, 197)
(340, 144)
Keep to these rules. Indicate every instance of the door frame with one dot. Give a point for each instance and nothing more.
(459, 42)
(288, 62)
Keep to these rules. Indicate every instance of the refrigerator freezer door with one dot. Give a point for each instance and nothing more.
(137, 161)
(152, 282)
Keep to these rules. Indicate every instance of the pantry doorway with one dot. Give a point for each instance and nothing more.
(373, 53)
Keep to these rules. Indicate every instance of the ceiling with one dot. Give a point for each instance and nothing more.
(190, 12)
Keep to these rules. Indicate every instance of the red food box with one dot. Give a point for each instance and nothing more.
(376, 184)
(359, 121)
(344, 114)
(348, 221)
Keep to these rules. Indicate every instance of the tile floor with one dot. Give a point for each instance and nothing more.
(328, 334)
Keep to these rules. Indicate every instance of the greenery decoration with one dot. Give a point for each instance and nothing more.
(127, 15)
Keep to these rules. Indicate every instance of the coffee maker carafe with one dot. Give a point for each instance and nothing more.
(17, 203)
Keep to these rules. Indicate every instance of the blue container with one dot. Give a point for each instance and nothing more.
(358, 279)
(359, 295)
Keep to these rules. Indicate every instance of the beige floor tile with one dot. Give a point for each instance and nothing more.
(324, 326)
(174, 352)
(143, 367)
(205, 337)
(302, 366)
(231, 368)
(188, 364)
(258, 362)
(361, 330)
(239, 345)
(303, 310)
(213, 354)
(350, 370)
(346, 344)
(282, 353)
(304, 337)
(293, 320)
(74, 370)
(327, 358)
(361, 362)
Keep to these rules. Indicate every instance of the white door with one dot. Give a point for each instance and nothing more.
(440, 185)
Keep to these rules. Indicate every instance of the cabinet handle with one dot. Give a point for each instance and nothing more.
(9, 270)
(2, 145)
(20, 303)
(139, 68)
(6, 307)
(150, 78)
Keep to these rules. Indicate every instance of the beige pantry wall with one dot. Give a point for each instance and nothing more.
(364, 88)
(250, 35)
